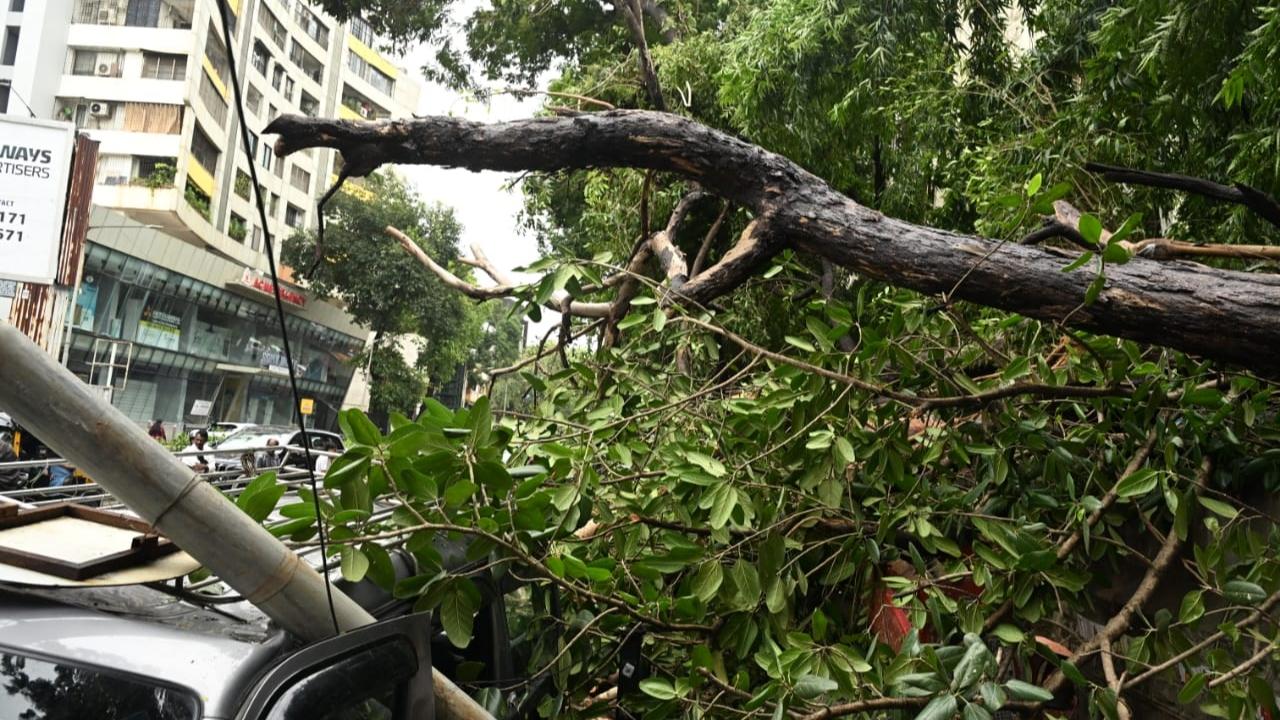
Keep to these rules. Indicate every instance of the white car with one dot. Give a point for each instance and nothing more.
(253, 438)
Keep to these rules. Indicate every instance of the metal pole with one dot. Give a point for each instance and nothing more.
(62, 411)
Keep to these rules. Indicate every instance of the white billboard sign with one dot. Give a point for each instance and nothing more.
(35, 157)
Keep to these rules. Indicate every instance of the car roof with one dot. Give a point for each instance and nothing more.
(140, 631)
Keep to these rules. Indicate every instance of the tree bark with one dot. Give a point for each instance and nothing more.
(1223, 315)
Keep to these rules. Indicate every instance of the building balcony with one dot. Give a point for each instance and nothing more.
(164, 14)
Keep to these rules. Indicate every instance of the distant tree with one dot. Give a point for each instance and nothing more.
(386, 290)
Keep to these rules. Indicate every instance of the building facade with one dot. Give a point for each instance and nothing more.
(175, 312)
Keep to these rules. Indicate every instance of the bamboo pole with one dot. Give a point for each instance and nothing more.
(61, 410)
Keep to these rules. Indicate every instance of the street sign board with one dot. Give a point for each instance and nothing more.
(307, 406)
(201, 408)
(35, 157)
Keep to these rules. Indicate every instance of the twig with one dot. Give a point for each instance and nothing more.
(700, 260)
(1248, 620)
(1119, 623)
(1069, 544)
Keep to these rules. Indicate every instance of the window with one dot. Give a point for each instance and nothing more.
(362, 31)
(255, 239)
(261, 57)
(272, 25)
(10, 52)
(212, 99)
(17, 5)
(84, 62)
(4, 99)
(300, 179)
(38, 688)
(370, 74)
(277, 77)
(272, 112)
(253, 100)
(143, 13)
(311, 25)
(288, 89)
(237, 229)
(203, 150)
(306, 62)
(308, 105)
(274, 205)
(266, 156)
(163, 66)
(293, 216)
(216, 53)
(243, 184)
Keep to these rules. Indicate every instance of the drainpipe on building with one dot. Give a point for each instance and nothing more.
(99, 440)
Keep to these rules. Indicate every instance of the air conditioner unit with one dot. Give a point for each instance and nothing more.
(108, 64)
(100, 109)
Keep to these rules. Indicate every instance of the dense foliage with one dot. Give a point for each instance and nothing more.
(796, 498)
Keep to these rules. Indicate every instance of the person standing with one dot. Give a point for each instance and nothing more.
(156, 431)
(196, 462)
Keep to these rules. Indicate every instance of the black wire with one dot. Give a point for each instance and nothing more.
(225, 12)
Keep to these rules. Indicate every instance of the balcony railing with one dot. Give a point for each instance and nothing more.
(168, 14)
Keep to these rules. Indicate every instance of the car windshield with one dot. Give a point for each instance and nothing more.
(250, 438)
(33, 688)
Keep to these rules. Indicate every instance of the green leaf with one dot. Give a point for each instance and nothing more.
(800, 343)
(361, 428)
(1218, 507)
(260, 497)
(1130, 224)
(1095, 289)
(1192, 607)
(1026, 691)
(1079, 262)
(845, 449)
(1016, 369)
(1033, 185)
(658, 688)
(1243, 591)
(1009, 633)
(1115, 253)
(459, 492)
(457, 609)
(726, 498)
(354, 564)
(942, 707)
(659, 319)
(973, 711)
(1138, 484)
(1091, 228)
(707, 580)
(706, 462)
(350, 466)
(1192, 689)
(809, 687)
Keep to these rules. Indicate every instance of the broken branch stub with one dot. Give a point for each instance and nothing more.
(1177, 305)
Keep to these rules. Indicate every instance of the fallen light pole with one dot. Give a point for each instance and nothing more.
(138, 471)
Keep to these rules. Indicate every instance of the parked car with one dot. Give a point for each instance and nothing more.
(251, 439)
(219, 430)
(140, 652)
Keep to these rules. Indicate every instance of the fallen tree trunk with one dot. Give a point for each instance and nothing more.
(1223, 315)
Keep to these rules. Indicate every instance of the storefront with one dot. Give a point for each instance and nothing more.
(189, 351)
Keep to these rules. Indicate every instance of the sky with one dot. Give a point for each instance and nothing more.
(487, 210)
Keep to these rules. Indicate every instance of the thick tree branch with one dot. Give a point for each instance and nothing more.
(1259, 202)
(1177, 305)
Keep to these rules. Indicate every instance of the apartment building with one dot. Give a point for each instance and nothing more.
(174, 297)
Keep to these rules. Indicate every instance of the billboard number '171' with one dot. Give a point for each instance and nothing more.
(35, 156)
